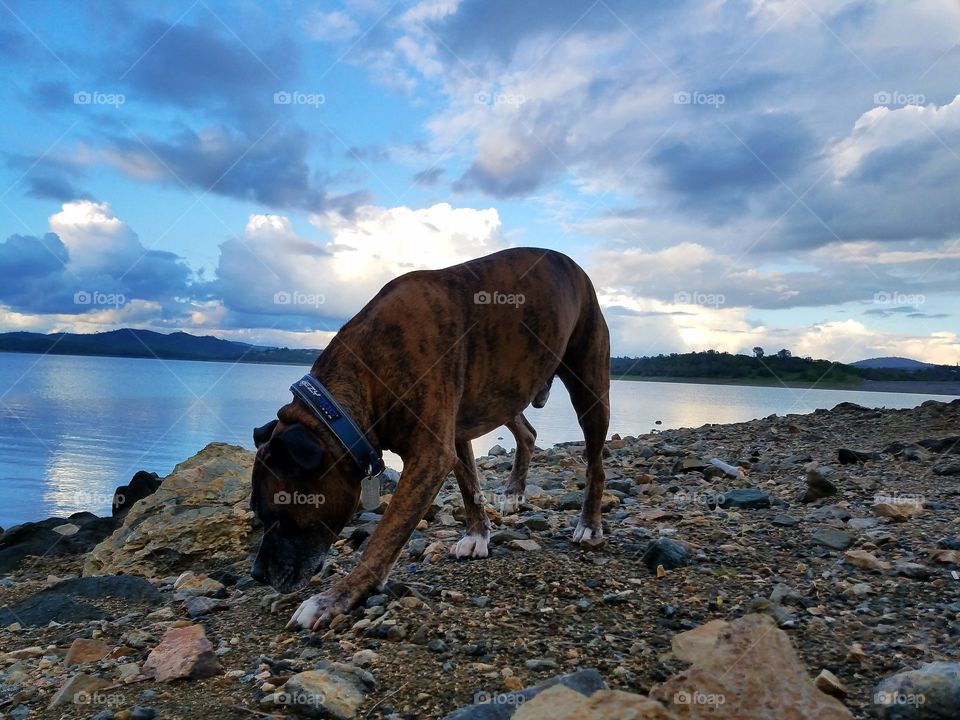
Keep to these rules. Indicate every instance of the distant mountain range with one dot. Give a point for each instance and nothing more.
(148, 344)
(892, 363)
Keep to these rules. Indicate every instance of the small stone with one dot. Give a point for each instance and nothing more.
(438, 646)
(200, 605)
(84, 651)
(184, 652)
(496, 451)
(534, 521)
(829, 683)
(191, 585)
(364, 658)
(914, 571)
(898, 512)
(666, 552)
(865, 560)
(832, 538)
(527, 545)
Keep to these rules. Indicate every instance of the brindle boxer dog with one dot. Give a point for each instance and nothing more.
(436, 359)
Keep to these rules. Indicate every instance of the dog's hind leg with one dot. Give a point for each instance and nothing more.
(586, 373)
(474, 543)
(525, 435)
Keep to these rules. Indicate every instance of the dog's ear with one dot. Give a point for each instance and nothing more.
(302, 446)
(263, 433)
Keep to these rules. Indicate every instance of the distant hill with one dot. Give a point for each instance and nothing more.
(892, 363)
(148, 344)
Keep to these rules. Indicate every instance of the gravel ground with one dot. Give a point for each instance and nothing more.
(450, 631)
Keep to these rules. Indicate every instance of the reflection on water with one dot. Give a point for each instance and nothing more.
(73, 428)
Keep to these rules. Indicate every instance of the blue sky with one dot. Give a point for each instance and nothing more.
(731, 173)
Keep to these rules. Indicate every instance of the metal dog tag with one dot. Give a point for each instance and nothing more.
(370, 493)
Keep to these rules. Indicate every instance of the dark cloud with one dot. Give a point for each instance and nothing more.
(272, 169)
(719, 169)
(204, 67)
(59, 188)
(39, 278)
(429, 177)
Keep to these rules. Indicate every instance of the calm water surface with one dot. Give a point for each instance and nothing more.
(73, 428)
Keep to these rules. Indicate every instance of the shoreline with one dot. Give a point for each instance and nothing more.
(910, 387)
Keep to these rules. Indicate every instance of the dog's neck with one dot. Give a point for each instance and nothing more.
(339, 375)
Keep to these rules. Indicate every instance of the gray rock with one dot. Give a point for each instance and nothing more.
(535, 521)
(571, 500)
(931, 692)
(666, 552)
(832, 538)
(41, 608)
(200, 605)
(497, 451)
(785, 520)
(914, 571)
(506, 535)
(331, 691)
(745, 499)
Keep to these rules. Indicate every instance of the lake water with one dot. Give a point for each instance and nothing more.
(73, 428)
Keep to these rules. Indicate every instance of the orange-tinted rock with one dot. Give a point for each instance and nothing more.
(184, 652)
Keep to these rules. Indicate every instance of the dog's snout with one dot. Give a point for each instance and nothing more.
(258, 571)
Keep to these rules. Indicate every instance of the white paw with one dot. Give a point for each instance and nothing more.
(510, 504)
(309, 612)
(586, 533)
(471, 546)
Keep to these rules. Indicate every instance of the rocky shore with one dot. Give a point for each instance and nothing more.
(817, 576)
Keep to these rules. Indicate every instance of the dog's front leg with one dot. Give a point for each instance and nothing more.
(418, 486)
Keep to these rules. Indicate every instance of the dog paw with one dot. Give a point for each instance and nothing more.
(471, 546)
(317, 611)
(585, 532)
(510, 504)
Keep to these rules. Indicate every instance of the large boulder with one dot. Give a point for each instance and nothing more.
(200, 513)
(141, 485)
(54, 536)
(745, 669)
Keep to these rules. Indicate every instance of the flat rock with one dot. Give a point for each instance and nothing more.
(78, 690)
(46, 606)
(561, 703)
(745, 499)
(832, 538)
(184, 652)
(865, 560)
(84, 650)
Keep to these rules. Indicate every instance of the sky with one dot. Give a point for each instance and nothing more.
(730, 173)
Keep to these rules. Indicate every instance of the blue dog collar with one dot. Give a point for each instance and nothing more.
(326, 408)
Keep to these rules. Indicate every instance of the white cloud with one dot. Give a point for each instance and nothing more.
(272, 270)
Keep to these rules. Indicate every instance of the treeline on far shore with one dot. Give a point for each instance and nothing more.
(783, 366)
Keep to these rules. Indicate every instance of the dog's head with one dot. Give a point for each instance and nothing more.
(304, 495)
